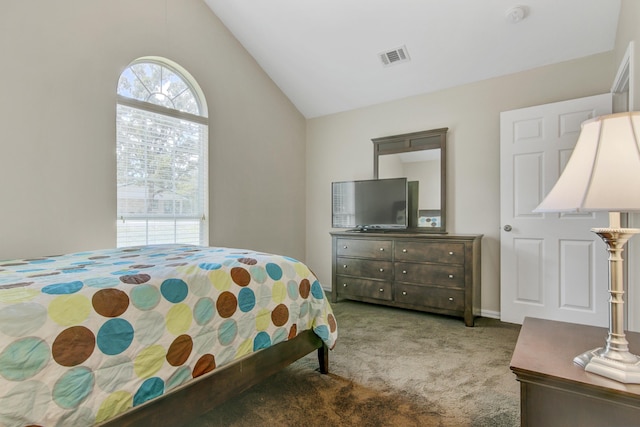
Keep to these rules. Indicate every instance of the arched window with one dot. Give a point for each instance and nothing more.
(161, 147)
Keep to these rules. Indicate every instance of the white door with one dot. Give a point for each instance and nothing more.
(552, 265)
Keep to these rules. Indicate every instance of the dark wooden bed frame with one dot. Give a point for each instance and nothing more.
(204, 393)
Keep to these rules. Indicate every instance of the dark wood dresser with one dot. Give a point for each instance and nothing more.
(554, 392)
(438, 273)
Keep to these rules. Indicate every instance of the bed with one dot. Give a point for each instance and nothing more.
(150, 335)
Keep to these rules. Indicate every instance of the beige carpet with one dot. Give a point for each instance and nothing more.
(391, 367)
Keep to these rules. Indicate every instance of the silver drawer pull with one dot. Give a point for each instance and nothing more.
(344, 247)
(451, 276)
(344, 284)
(381, 290)
(404, 251)
(450, 253)
(381, 270)
(404, 271)
(450, 298)
(381, 249)
(404, 292)
(344, 266)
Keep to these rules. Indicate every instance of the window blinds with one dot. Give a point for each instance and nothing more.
(161, 170)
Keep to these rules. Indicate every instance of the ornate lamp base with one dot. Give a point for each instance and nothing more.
(625, 371)
(614, 360)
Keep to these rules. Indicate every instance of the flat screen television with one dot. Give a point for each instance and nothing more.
(370, 204)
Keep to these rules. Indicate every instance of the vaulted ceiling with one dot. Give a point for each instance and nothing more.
(326, 55)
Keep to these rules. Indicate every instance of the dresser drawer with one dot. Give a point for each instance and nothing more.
(445, 252)
(433, 274)
(375, 249)
(365, 268)
(425, 296)
(351, 286)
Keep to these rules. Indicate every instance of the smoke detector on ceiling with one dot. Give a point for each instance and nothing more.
(516, 14)
(395, 56)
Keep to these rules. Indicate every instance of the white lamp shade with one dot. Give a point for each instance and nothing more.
(603, 172)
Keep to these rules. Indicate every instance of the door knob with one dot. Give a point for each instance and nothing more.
(507, 228)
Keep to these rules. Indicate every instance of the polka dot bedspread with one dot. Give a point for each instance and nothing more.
(86, 336)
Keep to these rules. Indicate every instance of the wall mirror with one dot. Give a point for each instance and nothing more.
(421, 157)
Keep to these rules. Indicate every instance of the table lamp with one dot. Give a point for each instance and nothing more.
(603, 174)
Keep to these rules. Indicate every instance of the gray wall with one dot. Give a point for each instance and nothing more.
(629, 31)
(61, 62)
(339, 147)
(60, 65)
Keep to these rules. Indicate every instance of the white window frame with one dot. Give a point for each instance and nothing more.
(137, 228)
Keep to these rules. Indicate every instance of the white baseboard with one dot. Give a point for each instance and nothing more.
(490, 313)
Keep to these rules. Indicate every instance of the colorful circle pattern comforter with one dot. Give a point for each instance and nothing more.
(86, 336)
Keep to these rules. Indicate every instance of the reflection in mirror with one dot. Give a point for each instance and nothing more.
(420, 157)
(422, 166)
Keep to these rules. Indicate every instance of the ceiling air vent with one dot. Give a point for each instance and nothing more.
(395, 56)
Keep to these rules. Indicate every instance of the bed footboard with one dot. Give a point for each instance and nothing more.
(323, 359)
(201, 395)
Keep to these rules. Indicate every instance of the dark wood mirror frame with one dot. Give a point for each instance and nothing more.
(410, 142)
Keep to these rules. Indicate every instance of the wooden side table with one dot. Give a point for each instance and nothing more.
(554, 392)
